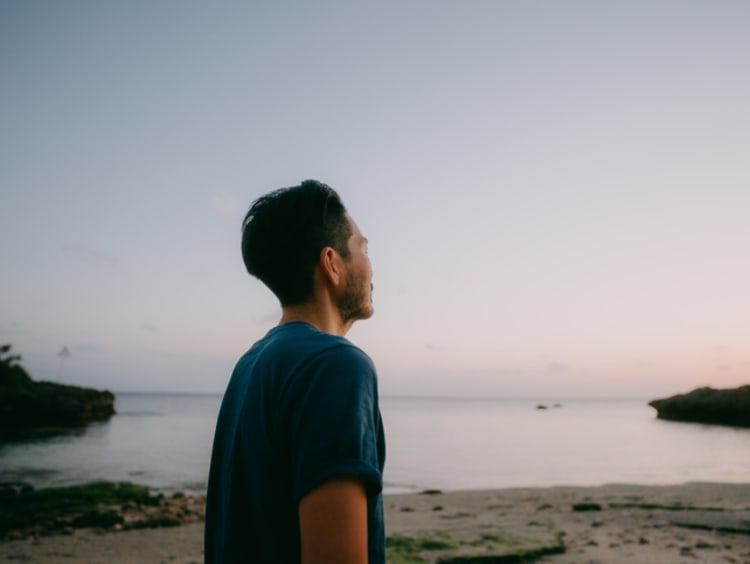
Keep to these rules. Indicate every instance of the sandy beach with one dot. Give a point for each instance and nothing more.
(707, 523)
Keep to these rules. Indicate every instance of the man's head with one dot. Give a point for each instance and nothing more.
(284, 233)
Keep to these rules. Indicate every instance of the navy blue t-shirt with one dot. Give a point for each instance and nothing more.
(301, 408)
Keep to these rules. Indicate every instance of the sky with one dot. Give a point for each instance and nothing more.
(556, 194)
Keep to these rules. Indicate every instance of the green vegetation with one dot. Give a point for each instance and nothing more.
(738, 530)
(54, 509)
(458, 515)
(500, 547)
(588, 506)
(672, 507)
(502, 538)
(401, 549)
(676, 506)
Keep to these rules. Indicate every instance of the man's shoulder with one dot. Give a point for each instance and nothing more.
(295, 344)
(298, 336)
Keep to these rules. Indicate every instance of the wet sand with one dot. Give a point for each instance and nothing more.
(613, 524)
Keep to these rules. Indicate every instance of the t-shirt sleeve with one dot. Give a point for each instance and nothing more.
(334, 422)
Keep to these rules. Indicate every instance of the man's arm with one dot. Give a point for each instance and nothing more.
(333, 523)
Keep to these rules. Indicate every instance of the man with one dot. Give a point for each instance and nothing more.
(296, 469)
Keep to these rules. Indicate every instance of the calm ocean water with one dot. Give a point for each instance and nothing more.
(165, 440)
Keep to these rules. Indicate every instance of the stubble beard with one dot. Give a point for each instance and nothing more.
(356, 302)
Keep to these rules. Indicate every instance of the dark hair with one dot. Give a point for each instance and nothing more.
(284, 232)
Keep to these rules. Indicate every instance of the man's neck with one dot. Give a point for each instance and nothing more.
(322, 318)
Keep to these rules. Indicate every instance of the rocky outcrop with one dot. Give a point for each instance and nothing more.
(28, 407)
(26, 512)
(707, 405)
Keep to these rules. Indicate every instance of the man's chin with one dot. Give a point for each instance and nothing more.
(362, 314)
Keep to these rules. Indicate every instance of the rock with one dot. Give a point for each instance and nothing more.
(28, 407)
(707, 405)
(686, 551)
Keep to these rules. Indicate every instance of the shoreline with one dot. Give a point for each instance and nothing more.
(610, 524)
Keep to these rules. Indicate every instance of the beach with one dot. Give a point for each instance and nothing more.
(695, 522)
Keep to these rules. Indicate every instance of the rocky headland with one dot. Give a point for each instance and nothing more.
(30, 408)
(707, 405)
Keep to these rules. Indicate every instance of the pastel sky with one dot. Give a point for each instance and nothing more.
(556, 194)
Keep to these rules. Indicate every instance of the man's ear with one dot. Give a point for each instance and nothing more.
(331, 265)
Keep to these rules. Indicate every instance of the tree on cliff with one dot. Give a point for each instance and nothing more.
(6, 358)
(12, 374)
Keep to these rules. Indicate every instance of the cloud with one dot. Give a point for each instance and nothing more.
(89, 254)
(434, 347)
(149, 327)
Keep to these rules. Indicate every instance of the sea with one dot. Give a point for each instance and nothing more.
(164, 441)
